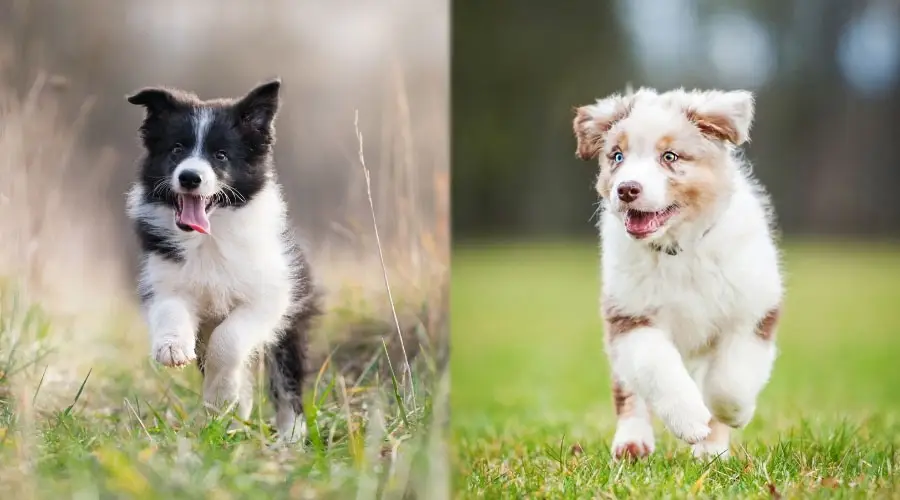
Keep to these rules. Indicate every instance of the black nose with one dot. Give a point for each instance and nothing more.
(629, 191)
(189, 179)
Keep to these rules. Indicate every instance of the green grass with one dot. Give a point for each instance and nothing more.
(531, 402)
(141, 432)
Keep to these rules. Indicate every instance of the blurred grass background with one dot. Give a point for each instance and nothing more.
(525, 318)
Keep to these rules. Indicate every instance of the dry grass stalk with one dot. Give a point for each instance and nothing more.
(387, 284)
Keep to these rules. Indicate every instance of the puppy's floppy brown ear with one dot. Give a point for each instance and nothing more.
(588, 140)
(593, 121)
(724, 116)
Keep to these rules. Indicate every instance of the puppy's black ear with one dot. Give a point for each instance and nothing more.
(156, 99)
(258, 108)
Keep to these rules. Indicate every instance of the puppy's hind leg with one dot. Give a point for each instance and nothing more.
(244, 403)
(716, 444)
(228, 356)
(286, 367)
(739, 370)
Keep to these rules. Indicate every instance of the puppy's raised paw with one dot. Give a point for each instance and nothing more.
(174, 351)
(690, 423)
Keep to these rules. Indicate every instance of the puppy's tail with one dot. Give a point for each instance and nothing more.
(286, 365)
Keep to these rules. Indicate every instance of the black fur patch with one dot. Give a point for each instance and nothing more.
(243, 129)
(237, 144)
(152, 242)
(286, 361)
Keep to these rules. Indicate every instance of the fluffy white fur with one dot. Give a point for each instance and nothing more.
(693, 355)
(240, 272)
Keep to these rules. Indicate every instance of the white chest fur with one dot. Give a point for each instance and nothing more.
(242, 259)
(727, 279)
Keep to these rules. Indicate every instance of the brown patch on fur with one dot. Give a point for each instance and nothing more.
(590, 132)
(589, 141)
(622, 141)
(664, 143)
(617, 325)
(716, 126)
(765, 328)
(697, 188)
(623, 400)
(633, 451)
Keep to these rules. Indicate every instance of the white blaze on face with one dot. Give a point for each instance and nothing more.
(193, 200)
(647, 172)
(195, 162)
(644, 128)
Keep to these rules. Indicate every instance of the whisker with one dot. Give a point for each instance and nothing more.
(227, 192)
(597, 211)
(161, 187)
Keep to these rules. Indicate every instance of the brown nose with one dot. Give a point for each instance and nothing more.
(629, 191)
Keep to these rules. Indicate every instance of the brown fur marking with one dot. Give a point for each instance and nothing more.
(664, 143)
(716, 126)
(623, 400)
(617, 325)
(697, 188)
(589, 143)
(590, 132)
(622, 141)
(765, 328)
(633, 451)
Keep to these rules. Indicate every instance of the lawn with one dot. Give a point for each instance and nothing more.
(139, 431)
(531, 403)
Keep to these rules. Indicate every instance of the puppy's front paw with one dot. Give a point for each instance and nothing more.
(293, 435)
(633, 439)
(174, 351)
(689, 422)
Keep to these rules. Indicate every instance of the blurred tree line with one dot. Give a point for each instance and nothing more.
(824, 148)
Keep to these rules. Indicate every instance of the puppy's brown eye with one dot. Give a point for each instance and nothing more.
(669, 157)
(221, 155)
(177, 149)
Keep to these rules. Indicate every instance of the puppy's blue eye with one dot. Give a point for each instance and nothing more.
(618, 157)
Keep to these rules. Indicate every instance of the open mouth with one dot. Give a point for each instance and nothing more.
(641, 224)
(192, 212)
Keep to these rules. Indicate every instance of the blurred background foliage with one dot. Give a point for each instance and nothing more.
(826, 74)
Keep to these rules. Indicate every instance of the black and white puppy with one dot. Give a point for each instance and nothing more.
(222, 277)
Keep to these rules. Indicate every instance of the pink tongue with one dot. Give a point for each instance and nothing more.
(641, 223)
(193, 214)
